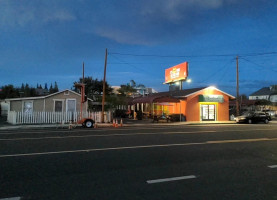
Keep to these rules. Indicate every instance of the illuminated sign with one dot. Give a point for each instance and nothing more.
(211, 98)
(176, 73)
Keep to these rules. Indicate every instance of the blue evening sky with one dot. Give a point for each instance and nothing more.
(43, 41)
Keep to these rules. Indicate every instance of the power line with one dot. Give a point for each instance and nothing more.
(196, 56)
(131, 65)
(260, 66)
(223, 68)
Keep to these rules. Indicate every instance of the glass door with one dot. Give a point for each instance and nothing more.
(208, 112)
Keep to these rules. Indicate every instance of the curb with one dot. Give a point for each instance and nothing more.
(110, 125)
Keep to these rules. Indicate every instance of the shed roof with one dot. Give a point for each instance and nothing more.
(261, 92)
(43, 97)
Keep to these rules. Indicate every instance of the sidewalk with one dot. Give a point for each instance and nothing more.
(126, 123)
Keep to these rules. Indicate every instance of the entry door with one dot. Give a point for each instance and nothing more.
(208, 112)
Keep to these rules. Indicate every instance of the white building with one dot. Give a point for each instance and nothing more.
(266, 93)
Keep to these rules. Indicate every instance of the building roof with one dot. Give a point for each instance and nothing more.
(43, 97)
(261, 92)
(172, 96)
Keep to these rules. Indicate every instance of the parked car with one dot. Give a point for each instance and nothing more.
(272, 113)
(253, 117)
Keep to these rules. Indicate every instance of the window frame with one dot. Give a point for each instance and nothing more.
(66, 107)
(23, 105)
(54, 106)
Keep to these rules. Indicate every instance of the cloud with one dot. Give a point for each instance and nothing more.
(148, 22)
(122, 36)
(15, 14)
(179, 9)
(60, 15)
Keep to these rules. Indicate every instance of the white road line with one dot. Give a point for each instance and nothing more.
(272, 166)
(139, 147)
(46, 131)
(12, 198)
(171, 179)
(103, 135)
(49, 131)
(125, 134)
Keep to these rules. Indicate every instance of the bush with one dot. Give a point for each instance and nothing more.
(176, 117)
(120, 113)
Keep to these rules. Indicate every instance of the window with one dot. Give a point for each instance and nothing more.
(28, 106)
(70, 105)
(58, 106)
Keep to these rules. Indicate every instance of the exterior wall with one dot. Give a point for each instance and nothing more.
(38, 105)
(223, 109)
(47, 104)
(16, 106)
(273, 98)
(266, 97)
(193, 106)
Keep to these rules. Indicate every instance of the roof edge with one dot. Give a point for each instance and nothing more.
(43, 97)
(212, 87)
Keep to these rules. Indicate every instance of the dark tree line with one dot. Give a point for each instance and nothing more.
(10, 91)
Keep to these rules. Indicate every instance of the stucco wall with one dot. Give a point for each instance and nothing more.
(193, 106)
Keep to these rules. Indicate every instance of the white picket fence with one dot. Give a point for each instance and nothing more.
(54, 117)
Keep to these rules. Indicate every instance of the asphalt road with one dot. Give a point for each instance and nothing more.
(151, 162)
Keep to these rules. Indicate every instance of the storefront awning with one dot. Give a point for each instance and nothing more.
(163, 104)
(167, 99)
(156, 99)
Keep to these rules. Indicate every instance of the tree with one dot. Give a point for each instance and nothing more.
(132, 83)
(9, 91)
(126, 90)
(93, 87)
(243, 97)
(56, 88)
(51, 89)
(130, 88)
(27, 92)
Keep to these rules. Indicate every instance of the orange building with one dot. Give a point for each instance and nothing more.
(197, 104)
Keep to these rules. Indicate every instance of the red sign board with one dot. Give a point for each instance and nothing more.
(176, 73)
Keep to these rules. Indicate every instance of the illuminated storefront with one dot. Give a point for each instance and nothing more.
(196, 104)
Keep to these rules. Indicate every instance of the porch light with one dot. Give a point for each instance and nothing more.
(212, 87)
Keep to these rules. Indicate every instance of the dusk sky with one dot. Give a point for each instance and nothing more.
(43, 41)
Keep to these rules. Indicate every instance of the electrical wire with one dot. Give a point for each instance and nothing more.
(196, 56)
(223, 68)
(260, 66)
(131, 65)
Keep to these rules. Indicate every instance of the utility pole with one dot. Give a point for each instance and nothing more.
(237, 99)
(104, 88)
(83, 73)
